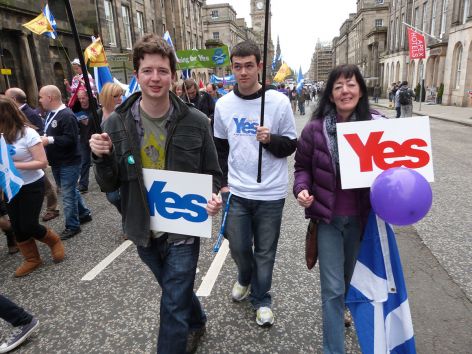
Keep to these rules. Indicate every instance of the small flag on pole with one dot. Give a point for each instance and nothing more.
(283, 73)
(132, 87)
(377, 296)
(94, 54)
(39, 25)
(300, 81)
(167, 38)
(52, 21)
(10, 180)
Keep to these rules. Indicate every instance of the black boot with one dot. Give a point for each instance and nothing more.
(11, 242)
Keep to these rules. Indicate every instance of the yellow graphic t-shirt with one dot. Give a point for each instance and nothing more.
(155, 133)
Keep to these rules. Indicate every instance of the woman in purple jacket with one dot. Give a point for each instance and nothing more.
(340, 214)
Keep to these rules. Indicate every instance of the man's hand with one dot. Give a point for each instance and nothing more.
(305, 199)
(214, 205)
(45, 140)
(101, 144)
(263, 135)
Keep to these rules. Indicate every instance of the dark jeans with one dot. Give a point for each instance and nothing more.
(399, 111)
(86, 162)
(13, 313)
(301, 107)
(174, 267)
(254, 223)
(115, 199)
(24, 211)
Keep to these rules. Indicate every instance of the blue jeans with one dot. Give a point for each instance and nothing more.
(12, 313)
(301, 107)
(86, 162)
(181, 312)
(338, 244)
(74, 207)
(254, 222)
(115, 199)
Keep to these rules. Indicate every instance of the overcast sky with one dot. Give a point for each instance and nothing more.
(299, 23)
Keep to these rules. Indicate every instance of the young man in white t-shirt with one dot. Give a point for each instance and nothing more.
(255, 210)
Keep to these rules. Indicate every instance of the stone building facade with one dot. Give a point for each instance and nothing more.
(322, 62)
(258, 21)
(362, 39)
(223, 27)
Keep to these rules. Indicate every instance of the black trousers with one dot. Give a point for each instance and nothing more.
(24, 211)
(12, 313)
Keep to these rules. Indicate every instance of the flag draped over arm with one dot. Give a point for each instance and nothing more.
(10, 180)
(377, 296)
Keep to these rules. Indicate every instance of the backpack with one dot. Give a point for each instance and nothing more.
(404, 97)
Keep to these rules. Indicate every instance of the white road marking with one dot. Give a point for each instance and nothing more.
(210, 278)
(110, 258)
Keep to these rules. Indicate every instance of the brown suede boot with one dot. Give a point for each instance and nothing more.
(32, 260)
(55, 244)
(11, 242)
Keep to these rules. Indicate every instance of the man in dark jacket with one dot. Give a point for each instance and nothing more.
(61, 141)
(200, 99)
(154, 129)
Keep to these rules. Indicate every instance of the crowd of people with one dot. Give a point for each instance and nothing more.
(173, 125)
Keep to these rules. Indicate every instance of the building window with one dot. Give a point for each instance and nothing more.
(423, 27)
(380, 2)
(214, 14)
(402, 43)
(127, 26)
(433, 17)
(465, 11)
(417, 17)
(140, 23)
(443, 18)
(110, 23)
(216, 35)
(397, 33)
(162, 4)
(378, 23)
(457, 65)
(392, 32)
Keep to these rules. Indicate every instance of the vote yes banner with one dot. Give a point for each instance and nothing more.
(416, 44)
(368, 148)
(203, 58)
(177, 201)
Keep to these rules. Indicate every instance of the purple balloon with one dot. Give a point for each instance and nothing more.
(401, 196)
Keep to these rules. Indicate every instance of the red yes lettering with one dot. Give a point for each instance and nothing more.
(378, 152)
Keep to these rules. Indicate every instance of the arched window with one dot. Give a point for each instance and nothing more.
(457, 68)
(397, 74)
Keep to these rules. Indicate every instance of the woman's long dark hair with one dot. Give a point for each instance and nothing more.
(325, 104)
(12, 120)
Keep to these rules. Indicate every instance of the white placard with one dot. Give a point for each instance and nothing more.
(177, 201)
(367, 148)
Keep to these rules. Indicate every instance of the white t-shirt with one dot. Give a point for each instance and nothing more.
(21, 146)
(236, 120)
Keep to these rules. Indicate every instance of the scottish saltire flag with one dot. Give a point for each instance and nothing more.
(132, 87)
(102, 75)
(377, 296)
(48, 14)
(186, 74)
(167, 38)
(276, 60)
(10, 180)
(300, 81)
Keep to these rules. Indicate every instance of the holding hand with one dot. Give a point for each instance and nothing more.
(214, 205)
(304, 199)
(101, 144)
(263, 135)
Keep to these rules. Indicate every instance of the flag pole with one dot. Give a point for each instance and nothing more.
(80, 54)
(264, 74)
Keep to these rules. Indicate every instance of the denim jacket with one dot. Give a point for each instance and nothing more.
(189, 147)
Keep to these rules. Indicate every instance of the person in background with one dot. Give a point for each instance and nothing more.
(405, 99)
(29, 159)
(221, 90)
(177, 88)
(5, 226)
(62, 148)
(376, 93)
(301, 101)
(23, 322)
(293, 96)
(282, 89)
(340, 214)
(200, 99)
(211, 89)
(19, 97)
(78, 79)
(154, 129)
(111, 97)
(255, 209)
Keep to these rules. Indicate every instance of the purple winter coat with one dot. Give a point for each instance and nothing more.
(315, 172)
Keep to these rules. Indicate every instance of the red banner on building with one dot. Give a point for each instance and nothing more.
(416, 44)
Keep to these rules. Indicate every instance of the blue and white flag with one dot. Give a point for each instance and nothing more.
(377, 296)
(10, 180)
(52, 21)
(276, 60)
(300, 81)
(102, 75)
(132, 87)
(167, 38)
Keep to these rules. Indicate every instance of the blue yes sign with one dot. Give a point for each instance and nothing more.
(177, 202)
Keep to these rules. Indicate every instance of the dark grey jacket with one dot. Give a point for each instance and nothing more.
(189, 148)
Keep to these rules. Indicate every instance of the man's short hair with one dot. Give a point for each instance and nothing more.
(189, 83)
(405, 83)
(245, 49)
(153, 44)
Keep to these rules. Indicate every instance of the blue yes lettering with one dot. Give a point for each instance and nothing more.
(172, 206)
(245, 127)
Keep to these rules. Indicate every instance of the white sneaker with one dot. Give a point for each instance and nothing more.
(239, 292)
(264, 317)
